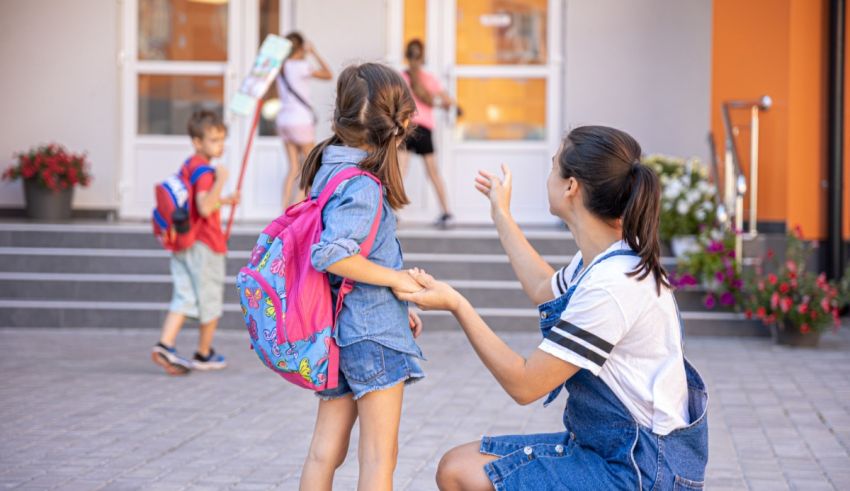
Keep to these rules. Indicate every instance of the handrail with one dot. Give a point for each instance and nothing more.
(735, 181)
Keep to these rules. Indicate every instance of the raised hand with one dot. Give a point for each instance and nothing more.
(497, 190)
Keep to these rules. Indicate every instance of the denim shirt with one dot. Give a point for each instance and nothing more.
(369, 312)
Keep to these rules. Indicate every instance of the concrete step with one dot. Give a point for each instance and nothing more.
(80, 314)
(116, 275)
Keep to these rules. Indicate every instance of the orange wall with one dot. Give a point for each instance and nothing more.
(777, 47)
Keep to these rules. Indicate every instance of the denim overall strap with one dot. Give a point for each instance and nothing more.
(550, 312)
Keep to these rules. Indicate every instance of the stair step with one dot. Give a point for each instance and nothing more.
(76, 314)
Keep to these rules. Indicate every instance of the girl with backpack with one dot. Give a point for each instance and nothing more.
(374, 331)
(635, 416)
(296, 120)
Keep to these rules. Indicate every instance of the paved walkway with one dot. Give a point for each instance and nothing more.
(86, 409)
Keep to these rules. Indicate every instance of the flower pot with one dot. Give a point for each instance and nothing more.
(684, 244)
(44, 204)
(790, 335)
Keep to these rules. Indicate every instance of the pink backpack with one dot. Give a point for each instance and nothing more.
(286, 303)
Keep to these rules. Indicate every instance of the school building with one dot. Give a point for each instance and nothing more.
(119, 78)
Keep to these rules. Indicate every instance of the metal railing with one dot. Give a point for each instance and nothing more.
(735, 182)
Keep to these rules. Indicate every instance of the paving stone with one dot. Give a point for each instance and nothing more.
(86, 409)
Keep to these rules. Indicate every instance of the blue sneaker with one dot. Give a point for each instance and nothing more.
(168, 359)
(213, 361)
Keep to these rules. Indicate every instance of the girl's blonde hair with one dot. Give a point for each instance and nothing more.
(373, 105)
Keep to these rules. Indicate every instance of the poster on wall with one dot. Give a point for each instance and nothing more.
(266, 67)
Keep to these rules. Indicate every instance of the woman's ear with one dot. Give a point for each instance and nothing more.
(572, 188)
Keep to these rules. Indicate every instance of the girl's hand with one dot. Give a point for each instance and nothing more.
(404, 283)
(498, 190)
(415, 323)
(434, 295)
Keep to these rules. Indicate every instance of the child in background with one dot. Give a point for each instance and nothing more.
(198, 272)
(375, 331)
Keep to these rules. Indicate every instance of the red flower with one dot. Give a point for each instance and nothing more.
(748, 314)
(774, 300)
(805, 329)
(785, 304)
(784, 288)
(770, 254)
(772, 279)
(761, 313)
(803, 308)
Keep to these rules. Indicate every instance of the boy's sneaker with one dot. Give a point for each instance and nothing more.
(445, 221)
(168, 359)
(213, 361)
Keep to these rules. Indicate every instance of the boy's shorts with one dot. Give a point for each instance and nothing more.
(198, 277)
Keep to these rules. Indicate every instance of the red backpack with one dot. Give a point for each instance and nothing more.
(174, 217)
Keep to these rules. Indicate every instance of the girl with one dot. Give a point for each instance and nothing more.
(427, 93)
(375, 330)
(296, 119)
(636, 413)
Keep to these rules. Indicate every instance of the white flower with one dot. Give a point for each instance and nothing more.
(700, 215)
(682, 207)
(693, 196)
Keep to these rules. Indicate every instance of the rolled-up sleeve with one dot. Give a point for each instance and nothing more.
(347, 217)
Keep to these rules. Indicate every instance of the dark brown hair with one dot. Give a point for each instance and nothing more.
(297, 41)
(606, 162)
(415, 54)
(203, 120)
(372, 107)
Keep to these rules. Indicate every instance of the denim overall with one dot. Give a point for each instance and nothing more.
(603, 446)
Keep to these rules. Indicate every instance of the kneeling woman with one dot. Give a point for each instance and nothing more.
(635, 417)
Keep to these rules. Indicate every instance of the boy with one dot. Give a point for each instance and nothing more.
(198, 272)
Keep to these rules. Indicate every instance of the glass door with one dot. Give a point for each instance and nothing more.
(178, 57)
(504, 69)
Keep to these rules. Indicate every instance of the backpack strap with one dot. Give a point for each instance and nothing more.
(200, 171)
(366, 246)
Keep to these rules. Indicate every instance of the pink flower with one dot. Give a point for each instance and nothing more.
(774, 300)
(785, 304)
(772, 279)
(803, 308)
(727, 299)
(710, 302)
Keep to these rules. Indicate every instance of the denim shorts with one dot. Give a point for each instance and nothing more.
(367, 366)
(198, 277)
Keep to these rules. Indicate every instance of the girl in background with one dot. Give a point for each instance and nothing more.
(296, 120)
(427, 93)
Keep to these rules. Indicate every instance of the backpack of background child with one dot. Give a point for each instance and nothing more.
(286, 303)
(175, 207)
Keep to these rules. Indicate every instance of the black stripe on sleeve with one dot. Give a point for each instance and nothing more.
(585, 336)
(562, 285)
(576, 348)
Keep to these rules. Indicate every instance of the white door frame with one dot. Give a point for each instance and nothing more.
(242, 34)
(440, 59)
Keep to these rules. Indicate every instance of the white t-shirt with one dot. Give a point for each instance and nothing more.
(292, 111)
(623, 332)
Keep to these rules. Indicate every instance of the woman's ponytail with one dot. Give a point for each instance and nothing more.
(640, 223)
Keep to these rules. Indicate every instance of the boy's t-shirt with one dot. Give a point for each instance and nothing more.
(209, 228)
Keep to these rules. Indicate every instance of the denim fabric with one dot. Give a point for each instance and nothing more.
(369, 312)
(602, 447)
(367, 366)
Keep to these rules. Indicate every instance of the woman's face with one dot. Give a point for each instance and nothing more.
(556, 188)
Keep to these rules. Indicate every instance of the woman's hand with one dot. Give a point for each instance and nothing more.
(433, 294)
(497, 190)
(415, 323)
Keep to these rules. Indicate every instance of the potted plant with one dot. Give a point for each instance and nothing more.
(796, 303)
(49, 173)
(687, 201)
(713, 266)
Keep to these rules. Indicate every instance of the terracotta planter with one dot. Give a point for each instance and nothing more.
(46, 205)
(790, 335)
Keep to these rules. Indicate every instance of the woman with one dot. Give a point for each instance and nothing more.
(296, 120)
(635, 417)
(427, 93)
